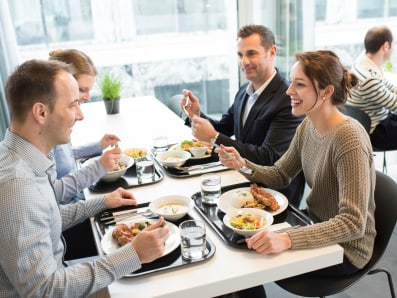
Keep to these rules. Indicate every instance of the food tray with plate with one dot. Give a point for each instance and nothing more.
(208, 164)
(128, 180)
(214, 217)
(172, 258)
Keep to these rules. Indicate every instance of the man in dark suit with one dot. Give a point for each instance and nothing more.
(260, 118)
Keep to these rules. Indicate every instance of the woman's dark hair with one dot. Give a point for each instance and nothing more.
(325, 68)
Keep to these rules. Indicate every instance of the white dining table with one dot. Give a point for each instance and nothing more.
(229, 269)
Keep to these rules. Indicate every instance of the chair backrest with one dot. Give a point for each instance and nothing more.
(357, 114)
(385, 212)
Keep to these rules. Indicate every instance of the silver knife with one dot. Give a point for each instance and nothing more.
(112, 215)
(200, 167)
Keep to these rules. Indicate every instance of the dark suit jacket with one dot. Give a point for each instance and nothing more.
(267, 132)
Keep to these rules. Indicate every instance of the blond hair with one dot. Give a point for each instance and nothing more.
(81, 63)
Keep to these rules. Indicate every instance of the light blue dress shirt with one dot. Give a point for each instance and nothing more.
(68, 179)
(66, 155)
(31, 223)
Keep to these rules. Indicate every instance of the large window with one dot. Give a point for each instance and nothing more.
(47, 22)
(159, 47)
(341, 25)
(370, 9)
(162, 46)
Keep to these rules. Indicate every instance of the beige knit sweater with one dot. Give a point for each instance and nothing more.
(339, 170)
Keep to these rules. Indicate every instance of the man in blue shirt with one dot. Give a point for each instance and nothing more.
(43, 100)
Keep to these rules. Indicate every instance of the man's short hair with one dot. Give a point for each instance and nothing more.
(376, 37)
(32, 82)
(267, 37)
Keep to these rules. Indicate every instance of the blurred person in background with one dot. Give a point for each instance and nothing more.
(375, 95)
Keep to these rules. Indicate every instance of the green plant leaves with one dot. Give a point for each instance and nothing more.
(110, 86)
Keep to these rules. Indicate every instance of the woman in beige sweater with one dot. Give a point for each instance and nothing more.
(335, 154)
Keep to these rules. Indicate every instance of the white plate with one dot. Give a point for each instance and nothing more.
(224, 200)
(108, 243)
(178, 147)
(201, 157)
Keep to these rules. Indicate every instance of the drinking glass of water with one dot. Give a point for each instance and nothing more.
(210, 188)
(144, 169)
(193, 243)
(160, 143)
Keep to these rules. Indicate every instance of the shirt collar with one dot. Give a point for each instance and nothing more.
(250, 88)
(374, 68)
(36, 159)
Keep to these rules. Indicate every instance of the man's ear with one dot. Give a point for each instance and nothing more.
(40, 112)
(387, 45)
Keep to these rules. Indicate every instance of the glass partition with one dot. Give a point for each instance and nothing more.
(158, 47)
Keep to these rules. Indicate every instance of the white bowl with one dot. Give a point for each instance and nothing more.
(264, 216)
(114, 175)
(172, 207)
(198, 151)
(173, 158)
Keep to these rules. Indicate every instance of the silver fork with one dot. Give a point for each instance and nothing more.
(187, 102)
(242, 167)
(125, 217)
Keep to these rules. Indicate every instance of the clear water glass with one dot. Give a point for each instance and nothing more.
(210, 188)
(144, 169)
(193, 243)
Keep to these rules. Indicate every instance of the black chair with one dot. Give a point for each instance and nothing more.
(357, 114)
(385, 220)
(364, 119)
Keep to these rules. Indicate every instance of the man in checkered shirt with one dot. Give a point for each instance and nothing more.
(43, 101)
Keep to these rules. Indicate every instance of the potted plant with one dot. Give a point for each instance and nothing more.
(110, 86)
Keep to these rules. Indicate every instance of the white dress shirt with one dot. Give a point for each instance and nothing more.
(253, 96)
